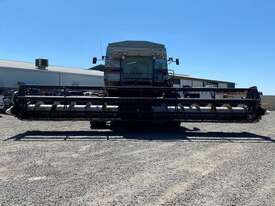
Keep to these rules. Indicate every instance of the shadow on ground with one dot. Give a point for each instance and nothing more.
(179, 134)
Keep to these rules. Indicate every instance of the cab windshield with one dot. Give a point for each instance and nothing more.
(137, 68)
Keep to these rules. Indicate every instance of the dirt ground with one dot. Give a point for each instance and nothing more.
(66, 163)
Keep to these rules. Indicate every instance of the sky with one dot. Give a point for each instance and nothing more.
(231, 40)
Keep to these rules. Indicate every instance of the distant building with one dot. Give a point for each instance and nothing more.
(13, 73)
(188, 81)
(180, 80)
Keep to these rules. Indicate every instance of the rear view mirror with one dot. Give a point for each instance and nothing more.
(94, 60)
(177, 61)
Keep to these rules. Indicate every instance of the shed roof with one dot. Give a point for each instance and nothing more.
(182, 76)
(51, 68)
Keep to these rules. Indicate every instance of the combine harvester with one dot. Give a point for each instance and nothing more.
(138, 88)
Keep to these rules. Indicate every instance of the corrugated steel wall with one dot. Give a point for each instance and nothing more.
(10, 77)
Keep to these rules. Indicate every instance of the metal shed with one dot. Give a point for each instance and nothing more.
(181, 80)
(13, 73)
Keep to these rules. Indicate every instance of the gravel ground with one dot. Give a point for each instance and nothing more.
(66, 163)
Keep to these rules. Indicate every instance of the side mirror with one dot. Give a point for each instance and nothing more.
(94, 60)
(177, 61)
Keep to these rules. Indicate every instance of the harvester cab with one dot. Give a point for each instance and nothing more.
(138, 88)
(136, 63)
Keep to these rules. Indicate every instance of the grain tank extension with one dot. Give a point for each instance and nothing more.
(138, 88)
